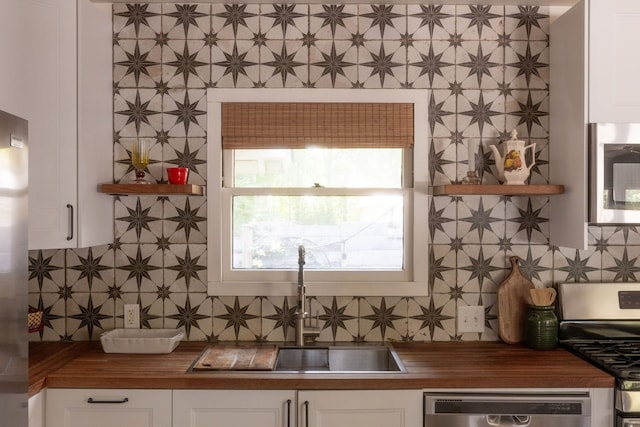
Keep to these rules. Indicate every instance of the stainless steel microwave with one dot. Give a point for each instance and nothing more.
(614, 173)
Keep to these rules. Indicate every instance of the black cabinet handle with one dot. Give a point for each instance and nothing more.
(306, 413)
(124, 400)
(288, 412)
(70, 210)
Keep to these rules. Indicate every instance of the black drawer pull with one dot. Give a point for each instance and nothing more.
(124, 400)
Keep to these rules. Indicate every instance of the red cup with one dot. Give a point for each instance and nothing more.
(177, 175)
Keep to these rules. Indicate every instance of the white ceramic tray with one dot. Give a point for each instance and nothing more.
(141, 340)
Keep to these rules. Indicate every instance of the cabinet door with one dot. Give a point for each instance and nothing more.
(108, 408)
(36, 409)
(614, 87)
(370, 408)
(233, 408)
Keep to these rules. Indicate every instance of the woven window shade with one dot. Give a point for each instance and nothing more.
(331, 125)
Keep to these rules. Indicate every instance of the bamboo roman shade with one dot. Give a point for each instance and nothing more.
(332, 125)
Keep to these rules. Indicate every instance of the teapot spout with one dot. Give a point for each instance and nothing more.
(499, 162)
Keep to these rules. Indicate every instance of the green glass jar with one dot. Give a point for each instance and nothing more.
(541, 328)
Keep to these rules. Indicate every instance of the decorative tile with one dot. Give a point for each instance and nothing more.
(284, 21)
(235, 21)
(90, 269)
(383, 319)
(137, 112)
(573, 265)
(185, 268)
(431, 318)
(536, 263)
(479, 65)
(442, 114)
(88, 316)
(185, 219)
(527, 22)
(137, 21)
(186, 64)
(335, 21)
(528, 220)
(138, 268)
(284, 64)
(46, 270)
(528, 113)
(442, 161)
(186, 21)
(382, 64)
(443, 274)
(235, 64)
(480, 113)
(481, 220)
(185, 112)
(191, 312)
(237, 318)
(480, 22)
(278, 319)
(338, 318)
(431, 22)
(621, 264)
(527, 65)
(54, 316)
(442, 220)
(382, 22)
(138, 219)
(137, 63)
(480, 268)
(333, 64)
(431, 65)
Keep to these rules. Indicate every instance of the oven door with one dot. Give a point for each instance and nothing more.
(614, 178)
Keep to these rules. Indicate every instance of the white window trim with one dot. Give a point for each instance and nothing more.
(215, 232)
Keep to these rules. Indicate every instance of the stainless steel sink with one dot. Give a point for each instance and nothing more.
(378, 358)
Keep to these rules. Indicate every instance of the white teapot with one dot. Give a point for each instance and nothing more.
(512, 168)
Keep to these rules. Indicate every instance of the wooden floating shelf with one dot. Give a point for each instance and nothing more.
(152, 189)
(497, 190)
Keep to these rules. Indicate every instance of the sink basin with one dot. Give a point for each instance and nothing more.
(379, 358)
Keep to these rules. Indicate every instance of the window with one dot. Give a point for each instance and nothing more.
(350, 199)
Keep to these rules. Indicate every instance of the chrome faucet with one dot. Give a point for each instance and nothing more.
(301, 313)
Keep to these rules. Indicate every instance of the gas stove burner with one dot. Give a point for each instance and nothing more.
(621, 359)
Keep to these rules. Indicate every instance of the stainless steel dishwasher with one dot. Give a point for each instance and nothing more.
(506, 410)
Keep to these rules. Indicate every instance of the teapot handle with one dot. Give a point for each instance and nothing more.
(533, 153)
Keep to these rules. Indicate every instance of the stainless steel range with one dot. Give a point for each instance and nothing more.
(600, 322)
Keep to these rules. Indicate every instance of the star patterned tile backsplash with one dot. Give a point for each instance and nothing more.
(487, 68)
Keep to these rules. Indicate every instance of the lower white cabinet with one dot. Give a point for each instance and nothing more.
(361, 408)
(108, 408)
(288, 408)
(234, 408)
(36, 409)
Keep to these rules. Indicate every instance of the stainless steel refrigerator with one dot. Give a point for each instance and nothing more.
(13, 271)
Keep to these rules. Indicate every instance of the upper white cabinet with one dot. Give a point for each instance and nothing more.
(593, 78)
(56, 73)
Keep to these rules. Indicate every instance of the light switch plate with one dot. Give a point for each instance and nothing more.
(470, 318)
(132, 316)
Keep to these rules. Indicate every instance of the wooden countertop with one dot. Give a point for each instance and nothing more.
(428, 365)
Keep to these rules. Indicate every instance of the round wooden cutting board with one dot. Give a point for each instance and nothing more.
(512, 304)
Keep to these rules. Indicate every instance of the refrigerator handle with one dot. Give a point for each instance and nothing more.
(70, 210)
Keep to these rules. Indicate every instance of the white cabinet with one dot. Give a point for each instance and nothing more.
(277, 408)
(36, 409)
(108, 408)
(370, 408)
(234, 408)
(56, 73)
(593, 78)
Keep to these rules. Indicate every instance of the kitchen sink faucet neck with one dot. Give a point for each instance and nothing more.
(301, 312)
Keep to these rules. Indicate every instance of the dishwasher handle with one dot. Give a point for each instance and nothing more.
(508, 420)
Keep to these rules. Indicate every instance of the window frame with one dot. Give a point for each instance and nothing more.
(221, 283)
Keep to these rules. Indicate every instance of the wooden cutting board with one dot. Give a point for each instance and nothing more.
(512, 304)
(226, 357)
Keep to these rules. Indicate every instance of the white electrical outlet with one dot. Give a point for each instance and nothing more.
(470, 318)
(132, 316)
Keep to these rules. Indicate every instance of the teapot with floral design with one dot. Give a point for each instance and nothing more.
(513, 168)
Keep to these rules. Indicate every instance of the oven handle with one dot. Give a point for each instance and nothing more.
(509, 420)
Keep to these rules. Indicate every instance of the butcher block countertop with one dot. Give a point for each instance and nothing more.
(428, 365)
